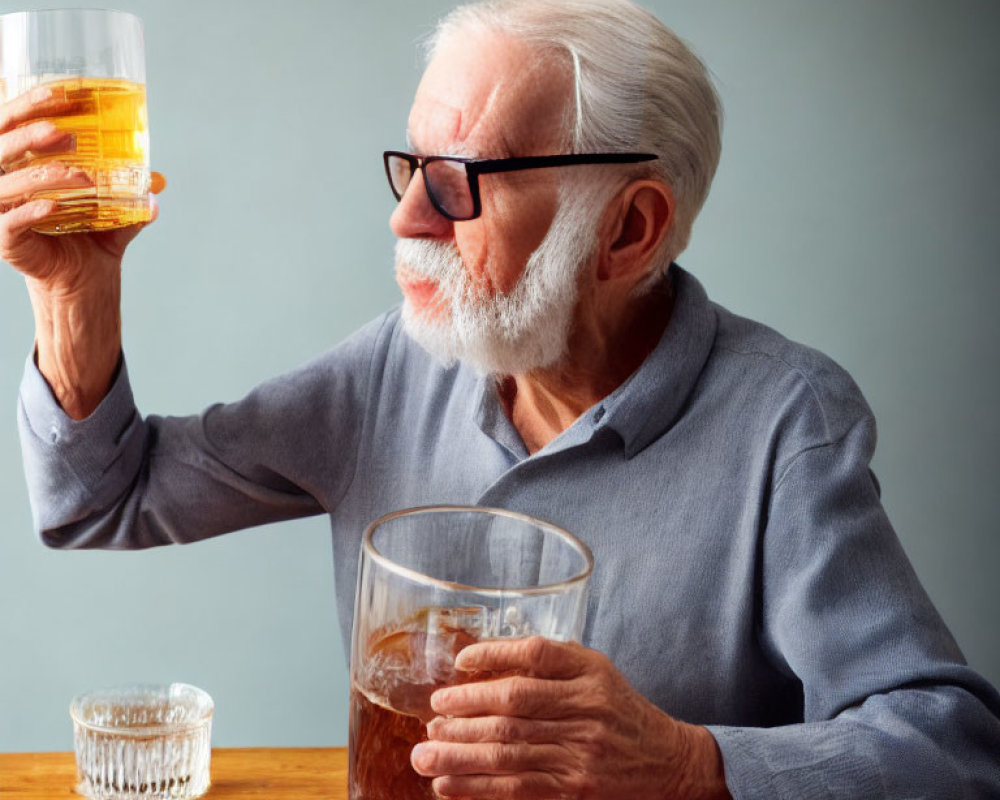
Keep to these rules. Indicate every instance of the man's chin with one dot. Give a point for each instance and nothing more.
(433, 335)
(481, 353)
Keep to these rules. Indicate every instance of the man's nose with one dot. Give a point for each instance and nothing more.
(414, 217)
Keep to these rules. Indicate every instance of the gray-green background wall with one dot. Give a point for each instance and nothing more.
(856, 209)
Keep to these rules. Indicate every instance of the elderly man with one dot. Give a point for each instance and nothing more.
(754, 629)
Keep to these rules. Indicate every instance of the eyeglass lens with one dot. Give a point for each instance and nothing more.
(400, 173)
(446, 183)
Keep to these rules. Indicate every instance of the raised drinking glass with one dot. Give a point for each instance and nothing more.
(94, 60)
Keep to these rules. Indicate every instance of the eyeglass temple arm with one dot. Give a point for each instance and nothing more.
(570, 159)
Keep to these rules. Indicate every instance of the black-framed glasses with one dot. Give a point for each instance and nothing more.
(452, 183)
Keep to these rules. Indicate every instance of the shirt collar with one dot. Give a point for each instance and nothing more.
(650, 401)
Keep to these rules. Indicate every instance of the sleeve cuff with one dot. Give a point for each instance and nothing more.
(89, 447)
(807, 761)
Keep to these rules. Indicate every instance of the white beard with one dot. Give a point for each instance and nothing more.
(503, 334)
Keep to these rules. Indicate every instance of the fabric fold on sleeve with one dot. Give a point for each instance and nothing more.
(75, 466)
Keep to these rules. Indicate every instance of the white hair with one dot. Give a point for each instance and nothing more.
(637, 87)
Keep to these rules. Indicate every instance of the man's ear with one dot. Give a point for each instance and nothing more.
(643, 215)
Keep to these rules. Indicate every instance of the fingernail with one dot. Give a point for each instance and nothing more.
(46, 128)
(418, 756)
(40, 94)
(439, 788)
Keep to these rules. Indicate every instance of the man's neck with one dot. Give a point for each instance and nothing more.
(602, 355)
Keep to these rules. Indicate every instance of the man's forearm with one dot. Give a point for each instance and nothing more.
(78, 340)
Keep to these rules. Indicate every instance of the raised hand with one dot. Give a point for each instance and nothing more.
(74, 281)
(59, 263)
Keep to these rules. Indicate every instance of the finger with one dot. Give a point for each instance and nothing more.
(19, 221)
(38, 137)
(431, 759)
(157, 183)
(517, 696)
(498, 729)
(46, 177)
(527, 786)
(42, 101)
(535, 655)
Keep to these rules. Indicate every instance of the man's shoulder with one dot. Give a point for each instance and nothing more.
(385, 353)
(351, 359)
(743, 336)
(788, 373)
(373, 340)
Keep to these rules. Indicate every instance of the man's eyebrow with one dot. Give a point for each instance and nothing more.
(503, 151)
(456, 152)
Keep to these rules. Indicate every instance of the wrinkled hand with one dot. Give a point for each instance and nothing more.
(63, 264)
(74, 281)
(567, 725)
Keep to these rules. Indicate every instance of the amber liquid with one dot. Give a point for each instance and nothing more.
(108, 117)
(391, 708)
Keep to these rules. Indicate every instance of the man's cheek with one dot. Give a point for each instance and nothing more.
(472, 241)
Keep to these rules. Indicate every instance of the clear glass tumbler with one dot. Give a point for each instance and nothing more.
(94, 60)
(431, 581)
(145, 742)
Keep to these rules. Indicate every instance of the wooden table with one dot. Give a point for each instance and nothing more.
(275, 773)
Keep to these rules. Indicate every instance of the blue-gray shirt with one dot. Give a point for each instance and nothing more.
(746, 576)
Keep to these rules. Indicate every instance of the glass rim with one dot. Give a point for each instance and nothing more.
(76, 712)
(368, 547)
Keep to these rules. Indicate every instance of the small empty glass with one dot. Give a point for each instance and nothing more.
(144, 742)
(430, 582)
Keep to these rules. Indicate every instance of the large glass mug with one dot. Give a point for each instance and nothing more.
(94, 61)
(431, 581)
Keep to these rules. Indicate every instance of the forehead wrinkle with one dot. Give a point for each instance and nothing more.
(519, 109)
(480, 114)
(458, 127)
(487, 104)
(447, 121)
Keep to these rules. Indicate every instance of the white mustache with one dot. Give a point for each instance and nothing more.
(438, 261)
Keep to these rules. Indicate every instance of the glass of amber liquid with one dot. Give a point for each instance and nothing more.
(430, 582)
(94, 59)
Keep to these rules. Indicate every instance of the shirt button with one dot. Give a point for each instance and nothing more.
(599, 414)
